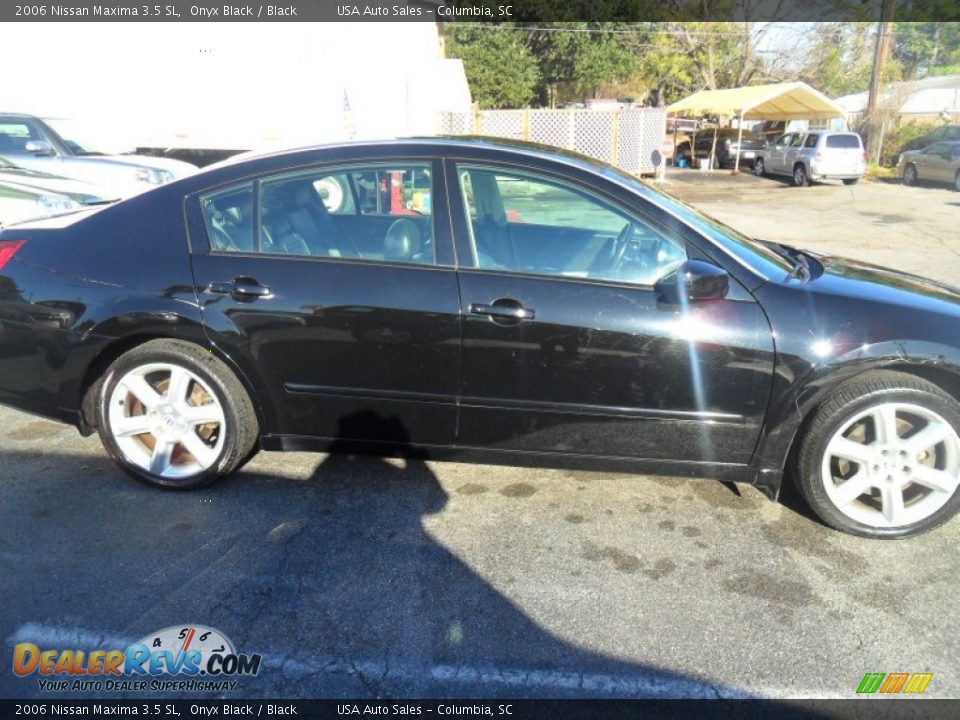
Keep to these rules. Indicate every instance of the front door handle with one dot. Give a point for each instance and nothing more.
(241, 289)
(513, 311)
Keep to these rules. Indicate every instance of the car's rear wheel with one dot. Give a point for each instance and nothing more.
(173, 415)
(910, 175)
(956, 181)
(800, 176)
(758, 167)
(851, 181)
(881, 457)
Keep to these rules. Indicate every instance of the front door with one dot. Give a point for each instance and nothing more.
(775, 155)
(335, 288)
(566, 347)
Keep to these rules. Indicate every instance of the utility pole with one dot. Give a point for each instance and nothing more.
(881, 49)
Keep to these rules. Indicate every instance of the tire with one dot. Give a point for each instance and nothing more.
(800, 178)
(866, 408)
(956, 181)
(851, 181)
(205, 430)
(910, 174)
(759, 168)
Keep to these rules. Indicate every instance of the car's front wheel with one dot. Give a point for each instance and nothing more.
(910, 175)
(173, 415)
(881, 457)
(758, 167)
(956, 181)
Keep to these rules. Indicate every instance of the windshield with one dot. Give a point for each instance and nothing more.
(763, 258)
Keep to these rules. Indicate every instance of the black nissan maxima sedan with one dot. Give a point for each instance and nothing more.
(487, 301)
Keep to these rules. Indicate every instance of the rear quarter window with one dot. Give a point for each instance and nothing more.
(844, 141)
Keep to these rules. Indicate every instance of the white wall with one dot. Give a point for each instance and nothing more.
(230, 85)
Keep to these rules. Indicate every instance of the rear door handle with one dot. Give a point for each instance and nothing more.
(502, 311)
(239, 289)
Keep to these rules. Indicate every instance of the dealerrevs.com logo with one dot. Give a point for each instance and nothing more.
(202, 658)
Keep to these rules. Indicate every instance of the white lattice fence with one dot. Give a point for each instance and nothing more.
(628, 138)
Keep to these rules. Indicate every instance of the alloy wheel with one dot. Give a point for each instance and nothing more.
(167, 420)
(799, 176)
(910, 175)
(758, 167)
(892, 465)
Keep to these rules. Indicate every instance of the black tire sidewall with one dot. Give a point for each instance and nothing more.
(137, 358)
(759, 167)
(811, 460)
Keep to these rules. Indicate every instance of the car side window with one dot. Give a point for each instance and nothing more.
(811, 141)
(15, 134)
(228, 216)
(796, 140)
(376, 212)
(521, 222)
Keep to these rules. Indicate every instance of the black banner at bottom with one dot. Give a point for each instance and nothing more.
(874, 709)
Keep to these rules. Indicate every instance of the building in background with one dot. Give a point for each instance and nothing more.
(230, 86)
(931, 100)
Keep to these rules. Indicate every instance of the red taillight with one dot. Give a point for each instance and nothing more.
(8, 248)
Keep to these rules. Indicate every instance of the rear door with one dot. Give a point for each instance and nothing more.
(335, 287)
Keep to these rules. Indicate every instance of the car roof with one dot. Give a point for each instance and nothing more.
(440, 143)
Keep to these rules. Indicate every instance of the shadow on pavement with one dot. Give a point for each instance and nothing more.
(334, 579)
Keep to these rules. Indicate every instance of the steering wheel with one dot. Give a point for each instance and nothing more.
(620, 246)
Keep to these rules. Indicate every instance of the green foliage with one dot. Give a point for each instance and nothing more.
(840, 59)
(927, 48)
(500, 67)
(516, 64)
(902, 138)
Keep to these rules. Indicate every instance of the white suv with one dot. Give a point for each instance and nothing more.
(807, 156)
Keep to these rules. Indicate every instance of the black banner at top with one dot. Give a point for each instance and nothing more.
(527, 11)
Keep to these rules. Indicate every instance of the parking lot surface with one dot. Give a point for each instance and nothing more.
(366, 577)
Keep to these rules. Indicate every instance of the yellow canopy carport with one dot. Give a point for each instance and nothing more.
(779, 101)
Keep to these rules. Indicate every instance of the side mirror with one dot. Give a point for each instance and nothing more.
(39, 147)
(693, 281)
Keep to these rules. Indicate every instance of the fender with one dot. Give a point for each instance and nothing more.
(794, 400)
(133, 319)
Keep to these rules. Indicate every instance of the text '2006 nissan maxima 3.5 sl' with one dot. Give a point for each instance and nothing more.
(480, 300)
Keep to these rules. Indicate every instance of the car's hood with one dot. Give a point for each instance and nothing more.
(179, 168)
(46, 183)
(861, 280)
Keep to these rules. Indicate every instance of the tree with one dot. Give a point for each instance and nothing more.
(501, 70)
(927, 48)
